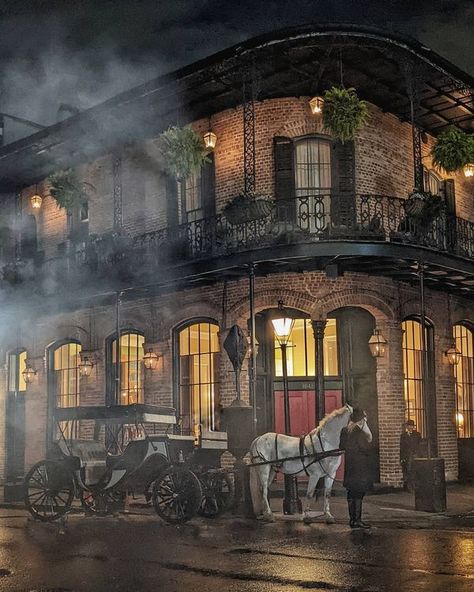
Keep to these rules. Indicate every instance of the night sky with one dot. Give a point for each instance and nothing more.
(81, 52)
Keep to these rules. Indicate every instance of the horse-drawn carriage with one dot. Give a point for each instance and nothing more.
(179, 477)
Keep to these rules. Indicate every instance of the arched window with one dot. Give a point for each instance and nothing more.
(464, 374)
(433, 183)
(197, 354)
(126, 387)
(414, 387)
(64, 360)
(312, 166)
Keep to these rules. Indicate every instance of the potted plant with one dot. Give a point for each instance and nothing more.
(183, 152)
(453, 150)
(246, 207)
(343, 113)
(67, 189)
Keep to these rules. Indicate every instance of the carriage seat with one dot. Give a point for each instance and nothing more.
(91, 455)
(131, 458)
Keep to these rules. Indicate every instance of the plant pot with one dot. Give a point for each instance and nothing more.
(252, 209)
(415, 205)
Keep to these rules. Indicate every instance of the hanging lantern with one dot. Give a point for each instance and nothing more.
(150, 360)
(469, 170)
(316, 105)
(85, 366)
(377, 344)
(29, 374)
(210, 140)
(36, 201)
(453, 355)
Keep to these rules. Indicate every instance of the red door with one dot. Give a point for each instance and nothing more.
(303, 413)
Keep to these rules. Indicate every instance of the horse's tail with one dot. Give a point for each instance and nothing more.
(255, 484)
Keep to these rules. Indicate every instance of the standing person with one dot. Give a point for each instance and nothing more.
(410, 441)
(356, 441)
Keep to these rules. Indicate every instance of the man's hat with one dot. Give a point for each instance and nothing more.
(410, 422)
(357, 414)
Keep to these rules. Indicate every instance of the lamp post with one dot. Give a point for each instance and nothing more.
(282, 326)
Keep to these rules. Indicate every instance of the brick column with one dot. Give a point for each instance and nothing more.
(391, 406)
(36, 414)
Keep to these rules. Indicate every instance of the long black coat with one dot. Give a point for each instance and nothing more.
(357, 469)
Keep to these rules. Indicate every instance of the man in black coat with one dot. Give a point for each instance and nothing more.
(356, 441)
(410, 441)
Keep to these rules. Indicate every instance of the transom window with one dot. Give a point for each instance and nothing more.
(413, 375)
(198, 355)
(464, 374)
(131, 368)
(301, 350)
(312, 167)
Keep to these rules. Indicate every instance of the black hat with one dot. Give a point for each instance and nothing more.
(410, 422)
(357, 414)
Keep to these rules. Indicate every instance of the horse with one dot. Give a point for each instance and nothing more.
(268, 453)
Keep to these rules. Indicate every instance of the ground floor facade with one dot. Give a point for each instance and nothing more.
(186, 329)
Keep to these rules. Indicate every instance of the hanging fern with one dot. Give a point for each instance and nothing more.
(67, 189)
(183, 152)
(453, 150)
(343, 113)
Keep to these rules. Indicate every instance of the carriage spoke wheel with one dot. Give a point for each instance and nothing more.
(176, 495)
(101, 503)
(217, 493)
(49, 490)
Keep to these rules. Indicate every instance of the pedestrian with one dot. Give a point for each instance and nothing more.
(356, 441)
(410, 441)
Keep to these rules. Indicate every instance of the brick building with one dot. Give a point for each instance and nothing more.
(162, 265)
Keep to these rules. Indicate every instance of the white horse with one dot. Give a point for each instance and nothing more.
(273, 448)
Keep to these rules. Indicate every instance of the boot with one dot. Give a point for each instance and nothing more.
(358, 523)
(352, 511)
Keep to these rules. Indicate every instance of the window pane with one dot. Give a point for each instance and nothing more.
(412, 370)
(131, 368)
(464, 382)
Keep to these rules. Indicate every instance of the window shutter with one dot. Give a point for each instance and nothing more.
(343, 184)
(208, 187)
(284, 178)
(450, 197)
(171, 186)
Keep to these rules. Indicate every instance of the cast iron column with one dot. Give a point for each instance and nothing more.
(248, 105)
(319, 327)
(117, 181)
(253, 352)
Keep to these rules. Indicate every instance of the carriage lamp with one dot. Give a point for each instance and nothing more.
(469, 170)
(210, 140)
(316, 105)
(453, 355)
(36, 201)
(377, 344)
(29, 373)
(150, 360)
(282, 325)
(85, 366)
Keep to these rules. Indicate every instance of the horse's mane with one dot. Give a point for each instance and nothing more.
(330, 416)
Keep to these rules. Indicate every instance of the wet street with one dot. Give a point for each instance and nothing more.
(140, 553)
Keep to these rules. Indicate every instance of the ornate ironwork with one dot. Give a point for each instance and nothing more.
(248, 108)
(117, 181)
(18, 216)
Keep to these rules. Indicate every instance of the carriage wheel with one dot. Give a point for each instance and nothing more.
(217, 493)
(101, 503)
(49, 490)
(176, 495)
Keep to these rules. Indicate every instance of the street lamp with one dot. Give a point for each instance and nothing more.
(282, 326)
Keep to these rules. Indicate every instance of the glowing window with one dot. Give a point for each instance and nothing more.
(65, 375)
(131, 368)
(464, 374)
(412, 373)
(301, 350)
(312, 166)
(198, 355)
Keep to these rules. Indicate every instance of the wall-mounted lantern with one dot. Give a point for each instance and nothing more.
(210, 140)
(29, 373)
(469, 170)
(453, 355)
(377, 344)
(85, 366)
(150, 359)
(316, 105)
(36, 200)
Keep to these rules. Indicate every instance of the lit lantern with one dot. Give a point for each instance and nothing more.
(316, 105)
(150, 360)
(29, 374)
(36, 201)
(377, 344)
(210, 140)
(85, 366)
(453, 355)
(282, 325)
(460, 420)
(469, 170)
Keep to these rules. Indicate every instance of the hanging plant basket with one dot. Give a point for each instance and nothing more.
(343, 113)
(422, 206)
(67, 189)
(183, 152)
(454, 149)
(245, 208)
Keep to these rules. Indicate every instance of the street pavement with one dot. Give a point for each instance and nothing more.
(405, 550)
